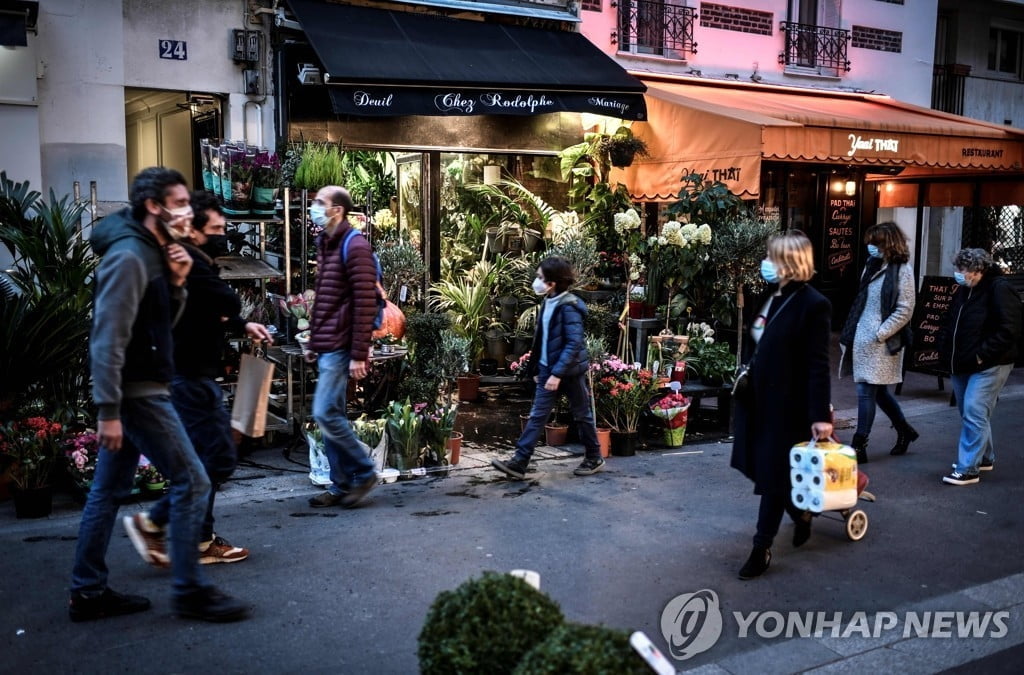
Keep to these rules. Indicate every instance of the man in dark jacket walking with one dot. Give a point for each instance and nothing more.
(340, 334)
(212, 308)
(139, 294)
(979, 344)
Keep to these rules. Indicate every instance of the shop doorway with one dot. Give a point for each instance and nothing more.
(827, 205)
(163, 128)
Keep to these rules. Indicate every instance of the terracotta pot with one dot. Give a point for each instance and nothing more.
(454, 447)
(555, 434)
(604, 439)
(469, 387)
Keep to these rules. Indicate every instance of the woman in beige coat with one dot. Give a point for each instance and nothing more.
(876, 332)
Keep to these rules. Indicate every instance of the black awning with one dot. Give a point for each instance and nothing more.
(388, 63)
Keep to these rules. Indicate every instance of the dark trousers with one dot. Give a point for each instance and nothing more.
(576, 390)
(769, 517)
(200, 404)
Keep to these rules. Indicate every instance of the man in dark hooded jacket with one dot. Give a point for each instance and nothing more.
(140, 292)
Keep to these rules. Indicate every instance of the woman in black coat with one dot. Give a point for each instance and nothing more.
(788, 393)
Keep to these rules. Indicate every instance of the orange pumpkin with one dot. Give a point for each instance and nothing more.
(393, 323)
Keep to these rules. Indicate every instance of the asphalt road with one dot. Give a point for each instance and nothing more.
(347, 591)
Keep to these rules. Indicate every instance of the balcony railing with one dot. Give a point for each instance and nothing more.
(948, 87)
(657, 27)
(815, 47)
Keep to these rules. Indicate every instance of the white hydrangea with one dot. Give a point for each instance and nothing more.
(384, 219)
(624, 222)
(562, 225)
(636, 267)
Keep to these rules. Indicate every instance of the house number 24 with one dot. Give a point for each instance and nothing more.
(173, 49)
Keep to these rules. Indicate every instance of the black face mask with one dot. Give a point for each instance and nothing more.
(216, 245)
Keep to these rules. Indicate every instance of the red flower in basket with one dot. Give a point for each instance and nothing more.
(672, 408)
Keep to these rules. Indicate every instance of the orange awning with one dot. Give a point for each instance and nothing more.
(723, 131)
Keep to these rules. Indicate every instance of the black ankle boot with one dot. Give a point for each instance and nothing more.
(757, 563)
(905, 435)
(802, 529)
(860, 444)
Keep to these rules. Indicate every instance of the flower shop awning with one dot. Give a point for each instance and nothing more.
(383, 63)
(724, 132)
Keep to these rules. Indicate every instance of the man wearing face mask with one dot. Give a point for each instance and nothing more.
(979, 346)
(140, 294)
(213, 308)
(340, 339)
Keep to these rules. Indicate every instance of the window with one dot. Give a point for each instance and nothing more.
(591, 5)
(1004, 51)
(659, 27)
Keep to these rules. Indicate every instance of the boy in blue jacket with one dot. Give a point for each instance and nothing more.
(558, 364)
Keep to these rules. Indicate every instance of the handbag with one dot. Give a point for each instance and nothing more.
(249, 410)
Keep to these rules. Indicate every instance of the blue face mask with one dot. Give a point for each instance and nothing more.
(873, 251)
(318, 214)
(960, 278)
(768, 271)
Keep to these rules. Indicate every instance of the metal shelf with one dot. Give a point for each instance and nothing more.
(236, 267)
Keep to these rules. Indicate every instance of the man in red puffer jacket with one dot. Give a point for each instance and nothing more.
(340, 339)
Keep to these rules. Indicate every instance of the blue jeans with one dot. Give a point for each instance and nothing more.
(348, 456)
(151, 425)
(867, 396)
(576, 390)
(200, 404)
(976, 396)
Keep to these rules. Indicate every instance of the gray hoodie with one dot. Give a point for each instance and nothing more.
(130, 346)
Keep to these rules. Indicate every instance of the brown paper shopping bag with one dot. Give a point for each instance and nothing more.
(249, 412)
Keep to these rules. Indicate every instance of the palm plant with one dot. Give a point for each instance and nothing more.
(44, 328)
(467, 301)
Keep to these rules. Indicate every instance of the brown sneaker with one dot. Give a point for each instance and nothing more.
(148, 539)
(220, 551)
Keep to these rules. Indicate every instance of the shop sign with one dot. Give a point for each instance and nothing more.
(729, 174)
(840, 234)
(878, 145)
(388, 101)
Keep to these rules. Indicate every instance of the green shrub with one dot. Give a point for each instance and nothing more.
(576, 648)
(485, 625)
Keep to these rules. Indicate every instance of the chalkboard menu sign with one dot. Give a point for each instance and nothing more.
(840, 237)
(930, 313)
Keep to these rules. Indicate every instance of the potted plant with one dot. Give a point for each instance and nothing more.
(150, 478)
(467, 301)
(237, 168)
(404, 442)
(622, 393)
(29, 448)
(320, 164)
(81, 451)
(402, 268)
(436, 426)
(707, 359)
(622, 146)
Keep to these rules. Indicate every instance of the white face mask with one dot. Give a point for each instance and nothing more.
(182, 219)
(540, 287)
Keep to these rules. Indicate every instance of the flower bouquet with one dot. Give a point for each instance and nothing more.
(81, 451)
(300, 306)
(30, 447)
(319, 467)
(621, 392)
(373, 432)
(672, 410)
(520, 366)
(149, 477)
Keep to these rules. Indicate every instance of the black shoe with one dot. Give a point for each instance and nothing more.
(108, 603)
(957, 478)
(513, 468)
(589, 466)
(986, 465)
(905, 435)
(757, 563)
(860, 445)
(802, 529)
(358, 492)
(209, 604)
(325, 499)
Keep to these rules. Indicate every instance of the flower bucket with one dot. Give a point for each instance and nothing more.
(469, 387)
(624, 443)
(264, 200)
(674, 437)
(32, 502)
